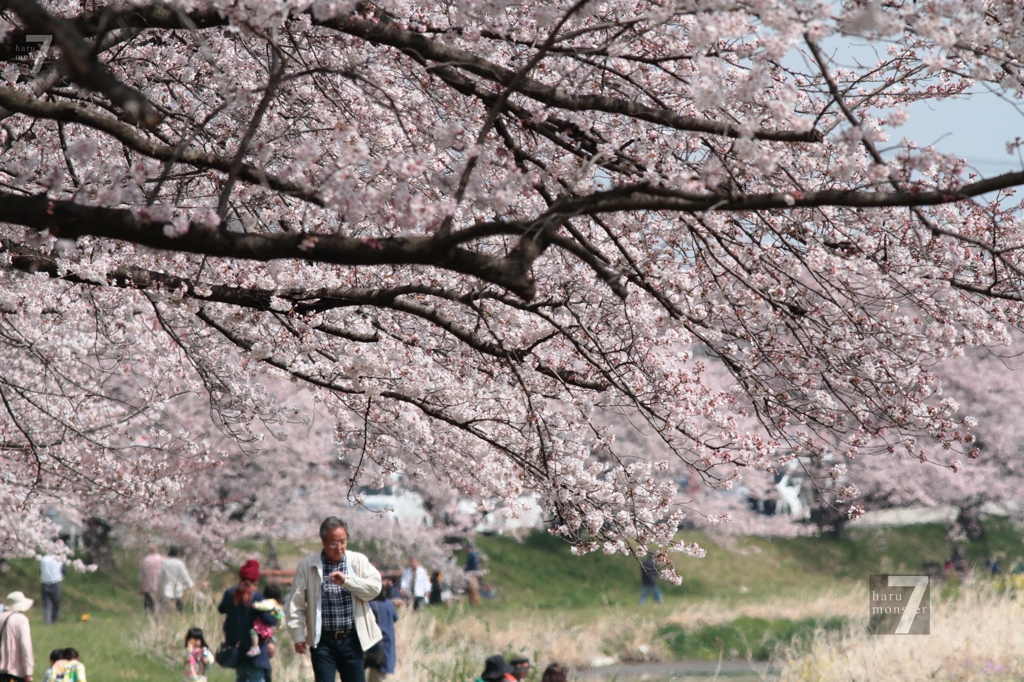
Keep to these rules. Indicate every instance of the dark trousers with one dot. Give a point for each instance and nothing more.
(51, 602)
(245, 673)
(147, 601)
(333, 656)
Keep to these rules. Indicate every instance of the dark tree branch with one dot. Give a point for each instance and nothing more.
(276, 69)
(30, 260)
(646, 198)
(380, 32)
(69, 220)
(69, 112)
(348, 334)
(573, 379)
(81, 66)
(428, 409)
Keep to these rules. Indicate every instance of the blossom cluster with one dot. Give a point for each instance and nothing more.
(486, 236)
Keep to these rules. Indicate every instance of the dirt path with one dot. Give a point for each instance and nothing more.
(673, 669)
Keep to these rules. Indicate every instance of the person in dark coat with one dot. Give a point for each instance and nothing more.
(472, 559)
(496, 670)
(238, 623)
(380, 659)
(649, 580)
(521, 667)
(436, 588)
(473, 573)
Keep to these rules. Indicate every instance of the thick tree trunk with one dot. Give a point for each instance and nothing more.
(969, 519)
(829, 520)
(270, 551)
(96, 541)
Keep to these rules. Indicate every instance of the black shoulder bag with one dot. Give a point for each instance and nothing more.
(226, 656)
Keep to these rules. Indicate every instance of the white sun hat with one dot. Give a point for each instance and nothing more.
(17, 601)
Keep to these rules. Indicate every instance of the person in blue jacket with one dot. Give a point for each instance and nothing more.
(380, 659)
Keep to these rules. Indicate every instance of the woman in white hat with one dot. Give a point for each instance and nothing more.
(15, 639)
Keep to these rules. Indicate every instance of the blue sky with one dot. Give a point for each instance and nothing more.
(975, 126)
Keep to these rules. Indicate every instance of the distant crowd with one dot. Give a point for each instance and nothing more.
(497, 670)
(341, 611)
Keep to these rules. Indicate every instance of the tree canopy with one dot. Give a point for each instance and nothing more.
(482, 231)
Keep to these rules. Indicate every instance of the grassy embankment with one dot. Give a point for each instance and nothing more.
(551, 605)
(975, 635)
(741, 602)
(114, 609)
(541, 572)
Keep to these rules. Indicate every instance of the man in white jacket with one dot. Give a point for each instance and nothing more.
(415, 584)
(328, 614)
(174, 578)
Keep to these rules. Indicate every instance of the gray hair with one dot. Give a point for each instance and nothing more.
(329, 524)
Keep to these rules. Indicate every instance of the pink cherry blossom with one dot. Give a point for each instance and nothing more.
(574, 251)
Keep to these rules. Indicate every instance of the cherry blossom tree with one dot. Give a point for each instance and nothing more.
(988, 389)
(269, 475)
(470, 226)
(278, 477)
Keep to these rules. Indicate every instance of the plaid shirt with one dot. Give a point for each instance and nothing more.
(336, 609)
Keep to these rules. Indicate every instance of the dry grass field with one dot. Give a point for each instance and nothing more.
(578, 611)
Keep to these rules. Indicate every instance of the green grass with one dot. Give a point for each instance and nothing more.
(745, 637)
(113, 605)
(542, 573)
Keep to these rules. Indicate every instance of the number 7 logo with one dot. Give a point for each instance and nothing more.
(43, 50)
(920, 584)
